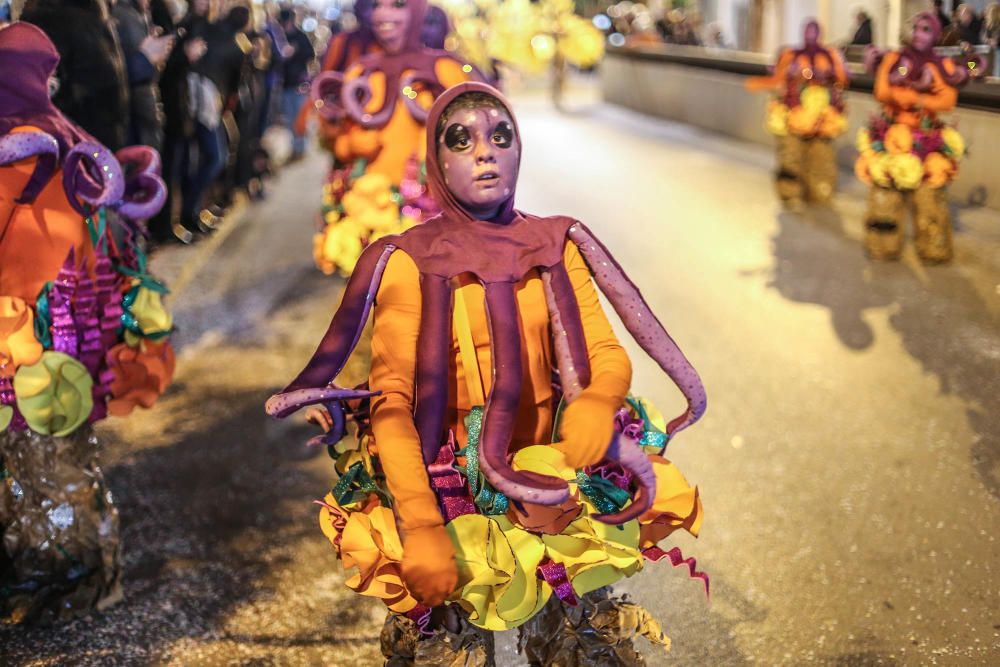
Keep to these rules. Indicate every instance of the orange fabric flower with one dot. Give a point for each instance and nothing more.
(833, 124)
(677, 505)
(18, 345)
(803, 122)
(370, 542)
(939, 170)
(141, 374)
(899, 139)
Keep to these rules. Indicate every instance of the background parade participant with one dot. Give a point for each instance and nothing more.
(806, 115)
(83, 334)
(376, 186)
(459, 303)
(908, 155)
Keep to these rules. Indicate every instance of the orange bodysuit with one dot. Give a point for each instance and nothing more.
(778, 79)
(394, 347)
(36, 238)
(908, 106)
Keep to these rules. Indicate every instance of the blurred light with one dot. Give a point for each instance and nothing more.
(544, 46)
(466, 68)
(616, 39)
(602, 22)
(331, 14)
(309, 24)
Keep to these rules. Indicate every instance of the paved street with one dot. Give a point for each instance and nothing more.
(849, 462)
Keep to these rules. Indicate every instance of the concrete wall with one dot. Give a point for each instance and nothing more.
(719, 102)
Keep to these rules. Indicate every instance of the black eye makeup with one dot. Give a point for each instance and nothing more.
(457, 138)
(503, 135)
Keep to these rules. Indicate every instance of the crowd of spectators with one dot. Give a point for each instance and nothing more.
(201, 81)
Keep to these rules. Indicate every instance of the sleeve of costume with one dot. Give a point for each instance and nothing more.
(758, 83)
(883, 89)
(840, 67)
(942, 97)
(610, 368)
(394, 352)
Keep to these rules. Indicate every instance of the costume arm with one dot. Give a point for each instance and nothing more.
(610, 368)
(883, 89)
(394, 348)
(942, 96)
(775, 80)
(839, 67)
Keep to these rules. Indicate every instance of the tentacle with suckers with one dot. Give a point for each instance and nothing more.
(639, 319)
(92, 174)
(357, 93)
(325, 92)
(501, 406)
(313, 384)
(627, 452)
(17, 146)
(425, 80)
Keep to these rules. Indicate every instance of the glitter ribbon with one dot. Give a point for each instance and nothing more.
(656, 554)
(449, 485)
(490, 501)
(607, 497)
(555, 576)
(355, 485)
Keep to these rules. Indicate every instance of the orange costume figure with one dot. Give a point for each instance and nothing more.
(806, 115)
(377, 111)
(502, 472)
(907, 154)
(83, 334)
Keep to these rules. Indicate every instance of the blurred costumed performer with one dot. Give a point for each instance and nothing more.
(378, 109)
(83, 334)
(479, 495)
(806, 115)
(908, 154)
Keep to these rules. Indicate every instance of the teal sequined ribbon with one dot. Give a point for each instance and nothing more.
(355, 485)
(607, 497)
(43, 318)
(97, 230)
(487, 499)
(651, 436)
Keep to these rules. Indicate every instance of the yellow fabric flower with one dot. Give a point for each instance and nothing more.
(595, 554)
(54, 394)
(803, 122)
(777, 119)
(676, 505)
(833, 124)
(549, 461)
(497, 584)
(339, 246)
(18, 345)
(371, 543)
(899, 139)
(150, 314)
(862, 166)
(907, 171)
(878, 169)
(954, 141)
(863, 141)
(939, 169)
(815, 98)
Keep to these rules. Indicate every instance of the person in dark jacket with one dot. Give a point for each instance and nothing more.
(298, 61)
(92, 80)
(863, 34)
(145, 53)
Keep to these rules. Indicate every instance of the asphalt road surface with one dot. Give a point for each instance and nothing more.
(849, 462)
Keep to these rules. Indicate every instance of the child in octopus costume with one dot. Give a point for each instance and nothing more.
(806, 115)
(376, 112)
(908, 155)
(83, 334)
(477, 483)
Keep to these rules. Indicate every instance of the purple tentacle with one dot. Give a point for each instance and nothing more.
(501, 406)
(924, 83)
(92, 174)
(325, 92)
(145, 191)
(357, 93)
(629, 454)
(343, 333)
(570, 329)
(430, 82)
(19, 146)
(873, 58)
(283, 404)
(643, 325)
(433, 340)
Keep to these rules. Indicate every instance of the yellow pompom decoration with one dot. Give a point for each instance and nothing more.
(816, 98)
(777, 119)
(907, 171)
(954, 141)
(863, 141)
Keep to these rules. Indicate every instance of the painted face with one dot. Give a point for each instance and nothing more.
(391, 23)
(924, 35)
(812, 33)
(478, 153)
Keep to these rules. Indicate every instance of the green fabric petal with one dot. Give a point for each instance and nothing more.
(54, 395)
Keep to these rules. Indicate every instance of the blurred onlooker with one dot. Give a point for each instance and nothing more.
(863, 33)
(145, 52)
(991, 33)
(970, 25)
(92, 81)
(715, 38)
(299, 57)
(436, 28)
(937, 7)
